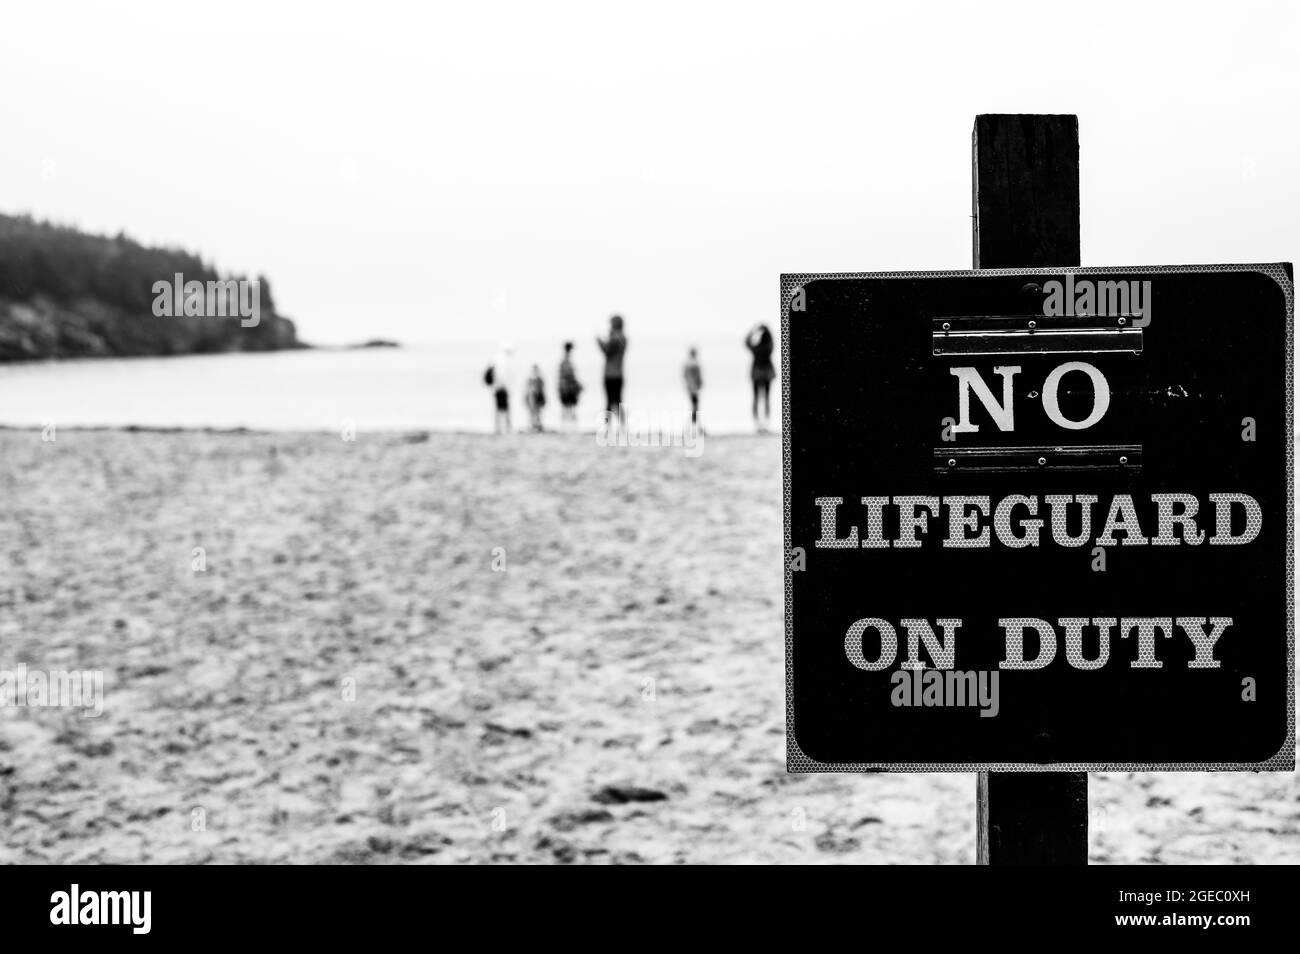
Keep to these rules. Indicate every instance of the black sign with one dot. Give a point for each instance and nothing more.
(1039, 519)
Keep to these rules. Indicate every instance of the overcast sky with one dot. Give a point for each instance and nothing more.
(525, 169)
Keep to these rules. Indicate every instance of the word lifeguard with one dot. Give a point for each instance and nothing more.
(1018, 520)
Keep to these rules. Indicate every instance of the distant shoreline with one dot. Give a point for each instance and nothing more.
(382, 344)
(73, 294)
(407, 433)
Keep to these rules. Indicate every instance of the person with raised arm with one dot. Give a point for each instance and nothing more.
(761, 373)
(613, 348)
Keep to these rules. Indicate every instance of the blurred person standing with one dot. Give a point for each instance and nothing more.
(613, 348)
(535, 397)
(694, 383)
(500, 376)
(761, 373)
(569, 388)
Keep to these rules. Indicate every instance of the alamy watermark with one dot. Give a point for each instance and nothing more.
(75, 906)
(949, 687)
(22, 688)
(231, 298)
(1084, 297)
(634, 428)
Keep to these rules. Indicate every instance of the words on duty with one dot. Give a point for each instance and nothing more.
(872, 644)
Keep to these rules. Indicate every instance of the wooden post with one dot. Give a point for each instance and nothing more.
(1026, 213)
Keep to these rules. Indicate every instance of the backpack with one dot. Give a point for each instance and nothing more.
(488, 376)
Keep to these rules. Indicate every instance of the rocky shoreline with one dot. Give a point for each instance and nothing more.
(68, 294)
(42, 328)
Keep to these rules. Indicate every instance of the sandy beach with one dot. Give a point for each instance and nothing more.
(451, 648)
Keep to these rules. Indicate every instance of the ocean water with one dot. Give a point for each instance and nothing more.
(416, 387)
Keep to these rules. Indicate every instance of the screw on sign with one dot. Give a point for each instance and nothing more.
(959, 445)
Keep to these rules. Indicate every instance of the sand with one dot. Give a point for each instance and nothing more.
(351, 679)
